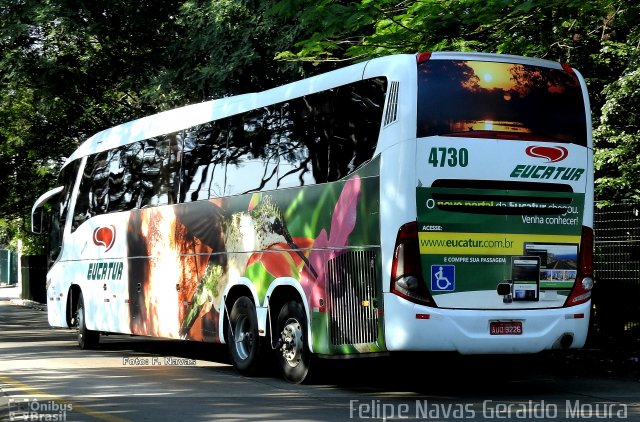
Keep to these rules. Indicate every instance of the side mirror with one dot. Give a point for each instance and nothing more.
(38, 211)
(37, 221)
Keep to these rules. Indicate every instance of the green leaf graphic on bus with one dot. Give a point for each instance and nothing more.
(216, 242)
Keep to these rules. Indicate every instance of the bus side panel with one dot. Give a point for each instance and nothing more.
(186, 256)
(94, 259)
(57, 290)
(173, 270)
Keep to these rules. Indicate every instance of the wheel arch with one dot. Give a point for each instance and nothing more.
(73, 294)
(231, 293)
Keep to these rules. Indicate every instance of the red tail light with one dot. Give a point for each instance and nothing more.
(584, 281)
(423, 57)
(406, 271)
(567, 68)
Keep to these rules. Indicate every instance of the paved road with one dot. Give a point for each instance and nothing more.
(128, 379)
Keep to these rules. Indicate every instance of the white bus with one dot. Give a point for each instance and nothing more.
(429, 202)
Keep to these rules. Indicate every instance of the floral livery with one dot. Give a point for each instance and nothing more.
(260, 236)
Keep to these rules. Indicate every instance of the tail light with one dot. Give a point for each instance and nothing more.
(406, 271)
(584, 281)
(423, 57)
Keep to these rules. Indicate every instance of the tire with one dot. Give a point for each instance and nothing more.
(87, 339)
(243, 339)
(294, 357)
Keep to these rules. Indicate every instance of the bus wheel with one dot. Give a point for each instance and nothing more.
(294, 356)
(242, 336)
(87, 339)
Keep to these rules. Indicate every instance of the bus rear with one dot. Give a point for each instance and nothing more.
(499, 258)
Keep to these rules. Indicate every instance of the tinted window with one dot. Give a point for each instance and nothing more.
(330, 134)
(252, 154)
(203, 161)
(318, 138)
(499, 100)
(136, 175)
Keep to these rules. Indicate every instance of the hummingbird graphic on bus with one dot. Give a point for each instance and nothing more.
(257, 229)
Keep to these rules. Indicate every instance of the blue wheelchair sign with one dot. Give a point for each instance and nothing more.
(443, 278)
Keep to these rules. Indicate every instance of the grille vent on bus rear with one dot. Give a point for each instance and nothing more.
(353, 293)
(391, 114)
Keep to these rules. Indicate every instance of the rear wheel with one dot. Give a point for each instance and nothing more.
(242, 336)
(294, 356)
(87, 339)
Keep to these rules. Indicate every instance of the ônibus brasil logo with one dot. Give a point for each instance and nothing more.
(104, 236)
(552, 154)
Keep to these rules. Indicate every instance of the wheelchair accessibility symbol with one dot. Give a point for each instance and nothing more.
(443, 278)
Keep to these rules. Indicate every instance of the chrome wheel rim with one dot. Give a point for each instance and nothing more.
(242, 337)
(292, 345)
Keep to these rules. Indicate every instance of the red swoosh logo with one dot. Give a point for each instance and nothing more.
(104, 236)
(552, 154)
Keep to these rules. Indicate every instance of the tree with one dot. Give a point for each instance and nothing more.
(70, 69)
(601, 38)
(224, 48)
(618, 140)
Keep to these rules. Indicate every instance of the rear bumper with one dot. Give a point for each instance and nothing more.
(411, 327)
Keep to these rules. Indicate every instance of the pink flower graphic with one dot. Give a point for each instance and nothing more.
(325, 248)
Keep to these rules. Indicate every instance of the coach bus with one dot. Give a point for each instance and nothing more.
(429, 202)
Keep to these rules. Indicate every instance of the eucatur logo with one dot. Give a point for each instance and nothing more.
(552, 154)
(105, 236)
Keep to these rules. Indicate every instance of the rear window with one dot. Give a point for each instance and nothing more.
(500, 101)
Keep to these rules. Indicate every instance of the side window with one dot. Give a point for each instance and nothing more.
(160, 171)
(295, 165)
(252, 152)
(91, 192)
(331, 133)
(137, 175)
(357, 112)
(317, 138)
(305, 152)
(203, 161)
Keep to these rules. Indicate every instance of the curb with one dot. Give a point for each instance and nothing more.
(29, 304)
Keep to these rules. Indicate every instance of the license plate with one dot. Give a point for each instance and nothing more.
(500, 328)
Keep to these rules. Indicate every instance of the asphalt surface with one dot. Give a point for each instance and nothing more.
(45, 376)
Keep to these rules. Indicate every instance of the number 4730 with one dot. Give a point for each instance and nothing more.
(450, 157)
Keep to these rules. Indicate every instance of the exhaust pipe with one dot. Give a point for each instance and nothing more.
(566, 341)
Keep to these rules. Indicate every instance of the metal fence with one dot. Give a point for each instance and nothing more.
(616, 296)
(8, 267)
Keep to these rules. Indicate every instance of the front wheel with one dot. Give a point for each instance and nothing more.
(87, 339)
(242, 336)
(294, 356)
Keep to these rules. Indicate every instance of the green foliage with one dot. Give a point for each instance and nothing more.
(71, 67)
(226, 47)
(13, 231)
(554, 29)
(601, 38)
(617, 140)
